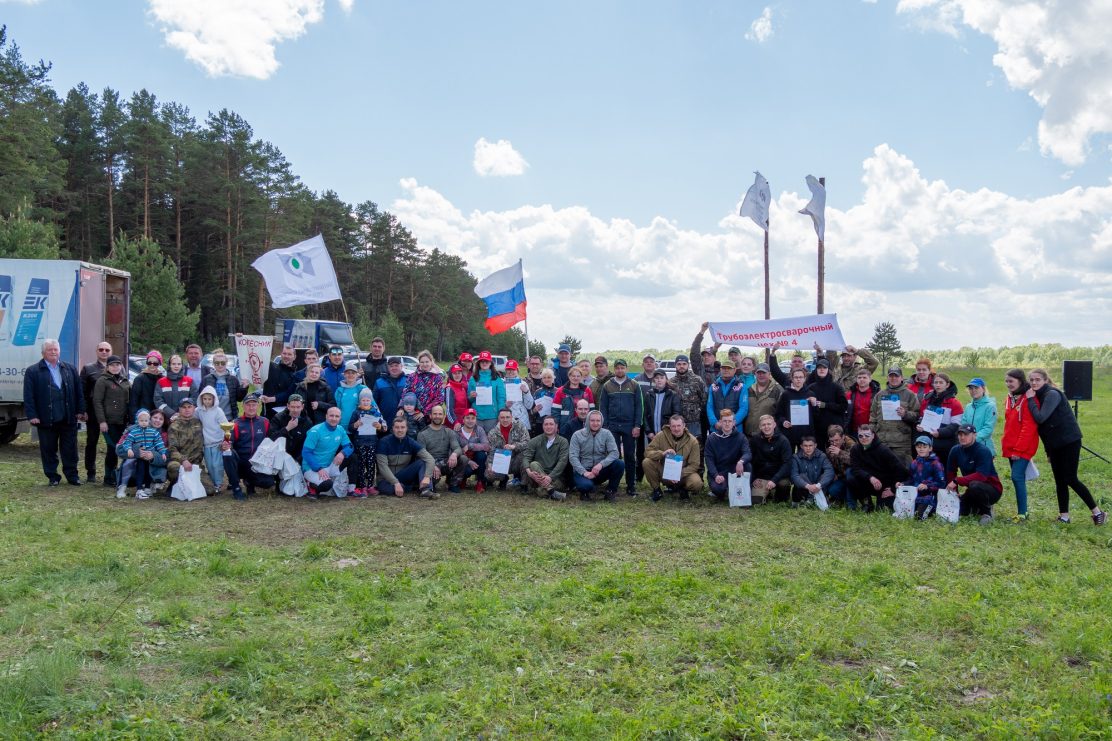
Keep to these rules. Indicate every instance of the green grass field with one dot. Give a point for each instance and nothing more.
(503, 616)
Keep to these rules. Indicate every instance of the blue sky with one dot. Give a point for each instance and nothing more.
(638, 113)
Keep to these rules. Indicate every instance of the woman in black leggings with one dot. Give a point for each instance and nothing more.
(1061, 436)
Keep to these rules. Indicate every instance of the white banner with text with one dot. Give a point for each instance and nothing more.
(254, 357)
(794, 332)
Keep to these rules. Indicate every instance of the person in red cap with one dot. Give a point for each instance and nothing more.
(144, 385)
(486, 380)
(519, 407)
(465, 361)
(456, 401)
(475, 446)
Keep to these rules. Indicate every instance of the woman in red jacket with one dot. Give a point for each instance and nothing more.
(1021, 436)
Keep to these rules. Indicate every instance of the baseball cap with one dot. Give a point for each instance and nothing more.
(822, 363)
(485, 355)
(394, 360)
(470, 413)
(465, 357)
(762, 368)
(708, 351)
(185, 401)
(895, 370)
(621, 362)
(113, 359)
(511, 364)
(659, 372)
(727, 364)
(978, 381)
(924, 440)
(734, 349)
(968, 429)
(600, 359)
(564, 348)
(254, 396)
(650, 356)
(682, 359)
(456, 367)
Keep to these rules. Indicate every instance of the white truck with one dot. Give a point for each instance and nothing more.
(77, 303)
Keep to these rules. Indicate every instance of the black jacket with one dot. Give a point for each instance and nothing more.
(36, 394)
(321, 392)
(772, 458)
(142, 393)
(669, 406)
(295, 438)
(877, 460)
(1057, 425)
(89, 375)
(374, 370)
(794, 433)
(279, 382)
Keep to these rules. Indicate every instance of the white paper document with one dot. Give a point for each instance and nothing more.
(888, 407)
(484, 395)
(513, 392)
(740, 493)
(904, 506)
(367, 424)
(501, 462)
(543, 406)
(932, 419)
(673, 467)
(800, 413)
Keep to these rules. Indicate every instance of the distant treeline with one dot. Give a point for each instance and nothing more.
(79, 174)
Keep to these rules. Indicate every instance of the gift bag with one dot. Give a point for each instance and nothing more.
(740, 493)
(949, 506)
(264, 459)
(1032, 472)
(292, 479)
(904, 506)
(188, 486)
(820, 500)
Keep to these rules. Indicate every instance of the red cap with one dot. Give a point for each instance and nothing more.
(456, 367)
(485, 355)
(470, 412)
(511, 364)
(465, 356)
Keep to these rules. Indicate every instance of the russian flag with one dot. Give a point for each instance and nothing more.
(504, 294)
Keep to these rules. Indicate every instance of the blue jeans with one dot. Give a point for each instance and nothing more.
(465, 465)
(1019, 481)
(838, 491)
(611, 475)
(409, 477)
(214, 462)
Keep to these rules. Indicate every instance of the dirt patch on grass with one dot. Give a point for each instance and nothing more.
(977, 694)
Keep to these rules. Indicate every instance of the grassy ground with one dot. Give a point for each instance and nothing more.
(504, 616)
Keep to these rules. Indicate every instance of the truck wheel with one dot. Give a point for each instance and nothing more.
(8, 432)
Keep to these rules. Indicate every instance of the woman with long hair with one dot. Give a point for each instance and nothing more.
(486, 376)
(1061, 437)
(1021, 436)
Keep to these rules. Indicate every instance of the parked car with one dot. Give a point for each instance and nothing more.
(499, 363)
(668, 366)
(409, 364)
(233, 362)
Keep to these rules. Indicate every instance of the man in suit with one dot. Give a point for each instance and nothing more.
(54, 404)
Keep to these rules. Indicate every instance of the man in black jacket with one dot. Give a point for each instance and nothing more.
(89, 375)
(874, 470)
(292, 424)
(54, 403)
(374, 367)
(279, 382)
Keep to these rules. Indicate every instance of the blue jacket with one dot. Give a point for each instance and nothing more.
(247, 434)
(622, 405)
(36, 394)
(971, 464)
(322, 444)
(330, 374)
(488, 411)
(347, 398)
(735, 396)
(981, 413)
(724, 451)
(388, 394)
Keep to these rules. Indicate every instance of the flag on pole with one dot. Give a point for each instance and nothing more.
(301, 274)
(816, 209)
(755, 204)
(504, 294)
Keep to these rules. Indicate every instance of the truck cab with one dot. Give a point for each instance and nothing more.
(317, 334)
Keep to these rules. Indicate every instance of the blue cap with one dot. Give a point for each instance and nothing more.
(978, 381)
(924, 440)
(564, 348)
(682, 359)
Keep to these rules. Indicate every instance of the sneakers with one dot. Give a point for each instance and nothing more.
(1063, 520)
(480, 487)
(612, 496)
(1019, 519)
(371, 491)
(428, 493)
(238, 493)
(556, 495)
(454, 489)
(986, 519)
(121, 492)
(657, 494)
(515, 481)
(502, 485)
(143, 494)
(1099, 518)
(359, 494)
(158, 488)
(631, 492)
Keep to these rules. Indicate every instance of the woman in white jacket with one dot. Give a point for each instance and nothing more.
(519, 409)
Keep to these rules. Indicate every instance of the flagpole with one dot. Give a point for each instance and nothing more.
(822, 265)
(521, 262)
(767, 315)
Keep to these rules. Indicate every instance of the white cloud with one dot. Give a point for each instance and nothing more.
(234, 37)
(760, 30)
(346, 5)
(498, 159)
(949, 267)
(1057, 52)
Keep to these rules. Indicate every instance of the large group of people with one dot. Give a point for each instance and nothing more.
(360, 428)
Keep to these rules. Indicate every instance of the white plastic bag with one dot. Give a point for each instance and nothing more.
(1032, 471)
(264, 460)
(741, 495)
(949, 506)
(188, 486)
(820, 500)
(904, 506)
(291, 478)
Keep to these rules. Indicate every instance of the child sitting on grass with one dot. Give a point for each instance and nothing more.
(141, 448)
(927, 475)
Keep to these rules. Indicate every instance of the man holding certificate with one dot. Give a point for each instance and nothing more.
(672, 458)
(894, 415)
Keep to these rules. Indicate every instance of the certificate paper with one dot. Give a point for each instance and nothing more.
(800, 413)
(932, 419)
(673, 467)
(501, 463)
(888, 409)
(367, 424)
(544, 406)
(484, 395)
(513, 392)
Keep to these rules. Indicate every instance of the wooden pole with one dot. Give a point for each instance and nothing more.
(822, 265)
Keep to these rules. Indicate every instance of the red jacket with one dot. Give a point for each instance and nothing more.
(921, 389)
(1021, 432)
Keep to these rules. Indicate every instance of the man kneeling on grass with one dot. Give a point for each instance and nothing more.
(187, 445)
(674, 440)
(404, 463)
(970, 465)
(545, 460)
(727, 452)
(326, 447)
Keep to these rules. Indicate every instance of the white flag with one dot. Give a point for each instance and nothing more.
(301, 274)
(755, 204)
(816, 209)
